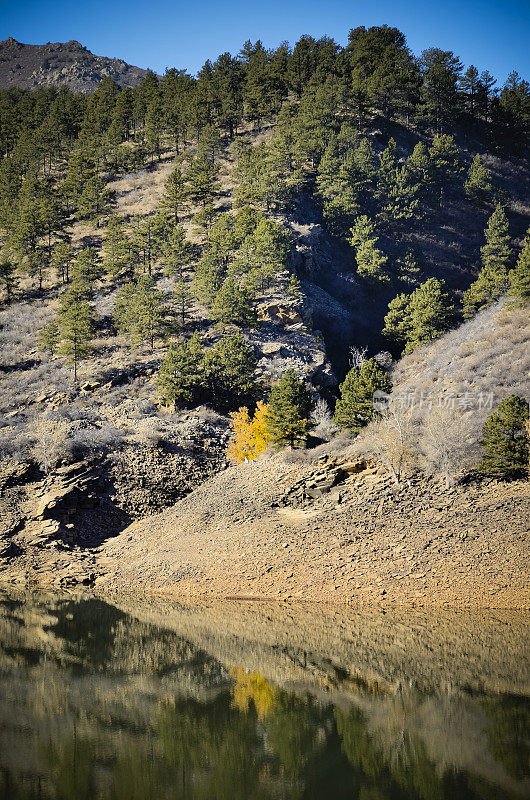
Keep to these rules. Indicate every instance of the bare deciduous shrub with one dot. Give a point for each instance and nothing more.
(392, 439)
(207, 414)
(95, 439)
(48, 435)
(357, 356)
(322, 420)
(448, 442)
(149, 431)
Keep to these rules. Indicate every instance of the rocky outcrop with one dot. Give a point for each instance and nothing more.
(61, 64)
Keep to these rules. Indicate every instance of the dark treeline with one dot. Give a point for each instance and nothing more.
(375, 72)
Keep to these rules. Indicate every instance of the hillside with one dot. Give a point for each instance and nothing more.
(330, 524)
(179, 248)
(69, 64)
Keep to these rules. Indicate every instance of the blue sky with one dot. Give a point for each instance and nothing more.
(492, 34)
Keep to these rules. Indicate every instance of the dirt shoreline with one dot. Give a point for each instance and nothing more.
(362, 542)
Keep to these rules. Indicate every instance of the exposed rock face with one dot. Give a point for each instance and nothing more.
(56, 64)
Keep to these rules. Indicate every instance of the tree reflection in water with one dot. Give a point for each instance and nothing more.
(94, 704)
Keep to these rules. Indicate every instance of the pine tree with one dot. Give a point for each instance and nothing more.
(478, 184)
(409, 262)
(182, 301)
(86, 267)
(338, 184)
(233, 304)
(401, 205)
(388, 166)
(420, 317)
(355, 407)
(177, 252)
(149, 322)
(289, 411)
(118, 257)
(201, 180)
(61, 260)
(470, 84)
(139, 311)
(446, 164)
(520, 275)
(93, 199)
(153, 126)
(50, 337)
(175, 193)
(76, 321)
(504, 439)
(441, 71)
(493, 277)
(228, 369)
(8, 278)
(294, 288)
(180, 379)
(370, 260)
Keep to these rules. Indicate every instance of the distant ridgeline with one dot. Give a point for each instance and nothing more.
(28, 66)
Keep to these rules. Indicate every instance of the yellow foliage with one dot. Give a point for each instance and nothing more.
(250, 436)
(252, 687)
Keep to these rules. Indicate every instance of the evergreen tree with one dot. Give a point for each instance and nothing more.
(420, 317)
(401, 206)
(177, 252)
(139, 311)
(180, 379)
(470, 85)
(409, 262)
(388, 165)
(338, 184)
(81, 169)
(8, 278)
(484, 94)
(478, 184)
(289, 411)
(294, 288)
(182, 301)
(504, 439)
(75, 319)
(93, 200)
(446, 164)
(153, 126)
(355, 407)
(201, 180)
(175, 193)
(520, 275)
(118, 257)
(441, 71)
(228, 369)
(61, 260)
(50, 337)
(493, 277)
(233, 304)
(86, 267)
(370, 260)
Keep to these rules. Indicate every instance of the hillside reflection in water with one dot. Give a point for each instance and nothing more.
(97, 703)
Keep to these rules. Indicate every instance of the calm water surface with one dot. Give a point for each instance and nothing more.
(97, 702)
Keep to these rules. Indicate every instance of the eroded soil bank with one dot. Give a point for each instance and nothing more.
(338, 532)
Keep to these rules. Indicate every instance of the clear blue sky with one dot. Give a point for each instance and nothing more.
(492, 34)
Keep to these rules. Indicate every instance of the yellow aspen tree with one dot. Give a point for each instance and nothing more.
(250, 436)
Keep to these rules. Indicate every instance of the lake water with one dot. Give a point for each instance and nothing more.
(237, 701)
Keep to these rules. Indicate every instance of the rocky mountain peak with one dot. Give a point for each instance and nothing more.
(28, 66)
